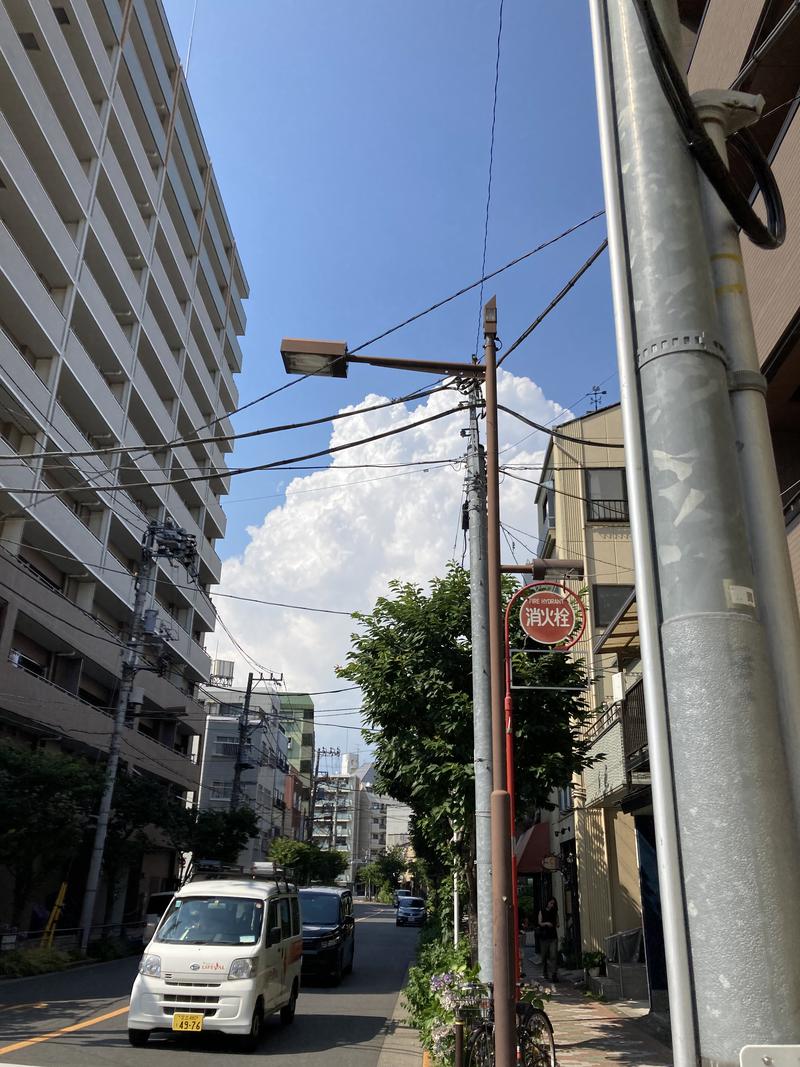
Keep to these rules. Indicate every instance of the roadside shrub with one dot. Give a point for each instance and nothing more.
(22, 964)
(111, 948)
(431, 993)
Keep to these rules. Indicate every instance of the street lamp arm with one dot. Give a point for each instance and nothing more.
(426, 366)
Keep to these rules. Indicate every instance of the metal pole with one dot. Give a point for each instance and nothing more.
(456, 916)
(481, 689)
(130, 663)
(236, 787)
(722, 113)
(504, 1003)
(738, 842)
(312, 799)
(670, 879)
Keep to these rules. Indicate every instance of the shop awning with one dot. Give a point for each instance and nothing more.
(532, 847)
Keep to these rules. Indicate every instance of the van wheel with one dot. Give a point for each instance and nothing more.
(288, 1010)
(138, 1038)
(250, 1042)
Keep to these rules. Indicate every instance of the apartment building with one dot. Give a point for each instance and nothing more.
(120, 311)
(583, 516)
(297, 719)
(264, 758)
(349, 816)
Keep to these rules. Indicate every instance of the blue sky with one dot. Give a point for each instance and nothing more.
(351, 145)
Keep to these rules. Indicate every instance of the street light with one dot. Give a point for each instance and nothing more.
(330, 359)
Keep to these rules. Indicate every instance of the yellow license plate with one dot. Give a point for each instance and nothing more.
(185, 1021)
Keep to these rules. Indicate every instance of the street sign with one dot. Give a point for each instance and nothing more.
(551, 863)
(553, 615)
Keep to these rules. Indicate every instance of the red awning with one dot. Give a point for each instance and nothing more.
(532, 847)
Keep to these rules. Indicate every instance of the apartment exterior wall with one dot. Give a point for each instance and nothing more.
(120, 311)
(577, 523)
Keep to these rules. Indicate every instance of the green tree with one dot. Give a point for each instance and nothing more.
(412, 660)
(213, 835)
(46, 801)
(309, 862)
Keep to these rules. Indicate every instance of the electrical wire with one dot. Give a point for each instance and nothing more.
(557, 433)
(579, 273)
(275, 464)
(769, 236)
(473, 285)
(418, 394)
(491, 168)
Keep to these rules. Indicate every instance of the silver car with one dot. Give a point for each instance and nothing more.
(411, 912)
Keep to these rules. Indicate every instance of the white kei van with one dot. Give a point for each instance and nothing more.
(226, 954)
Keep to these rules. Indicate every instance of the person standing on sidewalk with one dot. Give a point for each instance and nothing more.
(548, 937)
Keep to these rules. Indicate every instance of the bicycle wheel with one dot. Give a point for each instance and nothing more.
(536, 1041)
(480, 1047)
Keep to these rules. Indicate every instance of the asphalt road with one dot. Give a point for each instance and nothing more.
(78, 1018)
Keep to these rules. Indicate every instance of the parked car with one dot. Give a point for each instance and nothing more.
(226, 954)
(329, 931)
(411, 911)
(400, 894)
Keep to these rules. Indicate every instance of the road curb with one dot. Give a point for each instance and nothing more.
(401, 1046)
(79, 966)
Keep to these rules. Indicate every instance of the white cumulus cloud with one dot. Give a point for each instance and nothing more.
(343, 533)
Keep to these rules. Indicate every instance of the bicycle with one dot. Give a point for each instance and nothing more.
(535, 1040)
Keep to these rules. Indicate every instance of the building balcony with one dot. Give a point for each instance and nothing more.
(22, 381)
(607, 510)
(122, 276)
(114, 337)
(95, 386)
(619, 744)
(38, 207)
(144, 172)
(22, 278)
(124, 196)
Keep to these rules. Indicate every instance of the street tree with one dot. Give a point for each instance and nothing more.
(309, 862)
(413, 661)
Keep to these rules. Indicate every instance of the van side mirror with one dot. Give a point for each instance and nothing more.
(274, 936)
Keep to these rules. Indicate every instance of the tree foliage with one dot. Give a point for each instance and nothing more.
(309, 862)
(412, 660)
(47, 801)
(213, 835)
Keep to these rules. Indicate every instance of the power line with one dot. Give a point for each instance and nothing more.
(473, 285)
(558, 433)
(556, 300)
(491, 168)
(233, 472)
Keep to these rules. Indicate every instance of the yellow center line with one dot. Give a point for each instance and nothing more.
(64, 1030)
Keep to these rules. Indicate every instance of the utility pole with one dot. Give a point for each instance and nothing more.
(505, 1039)
(240, 765)
(481, 685)
(160, 540)
(722, 113)
(737, 842)
(313, 797)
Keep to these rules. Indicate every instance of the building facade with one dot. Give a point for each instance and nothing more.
(583, 516)
(120, 311)
(265, 763)
(297, 719)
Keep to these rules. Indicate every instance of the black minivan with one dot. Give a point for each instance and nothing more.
(329, 941)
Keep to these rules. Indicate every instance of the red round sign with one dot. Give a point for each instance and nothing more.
(550, 617)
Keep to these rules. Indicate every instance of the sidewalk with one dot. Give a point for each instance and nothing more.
(592, 1034)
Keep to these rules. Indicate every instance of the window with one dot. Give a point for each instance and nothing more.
(606, 498)
(608, 599)
(221, 790)
(295, 916)
(225, 745)
(285, 917)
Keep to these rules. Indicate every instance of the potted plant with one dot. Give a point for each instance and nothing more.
(592, 962)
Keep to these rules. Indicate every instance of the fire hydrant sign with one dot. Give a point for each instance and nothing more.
(552, 616)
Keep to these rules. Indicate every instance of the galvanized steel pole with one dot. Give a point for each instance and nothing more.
(670, 880)
(738, 840)
(481, 687)
(722, 113)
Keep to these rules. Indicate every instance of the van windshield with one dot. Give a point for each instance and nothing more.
(212, 921)
(320, 908)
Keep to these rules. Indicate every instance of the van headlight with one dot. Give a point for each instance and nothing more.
(243, 968)
(150, 965)
(329, 942)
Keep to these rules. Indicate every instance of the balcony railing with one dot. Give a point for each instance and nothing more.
(634, 727)
(607, 510)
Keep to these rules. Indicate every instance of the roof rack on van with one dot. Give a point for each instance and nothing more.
(211, 870)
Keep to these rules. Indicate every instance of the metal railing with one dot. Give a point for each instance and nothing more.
(634, 727)
(607, 510)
